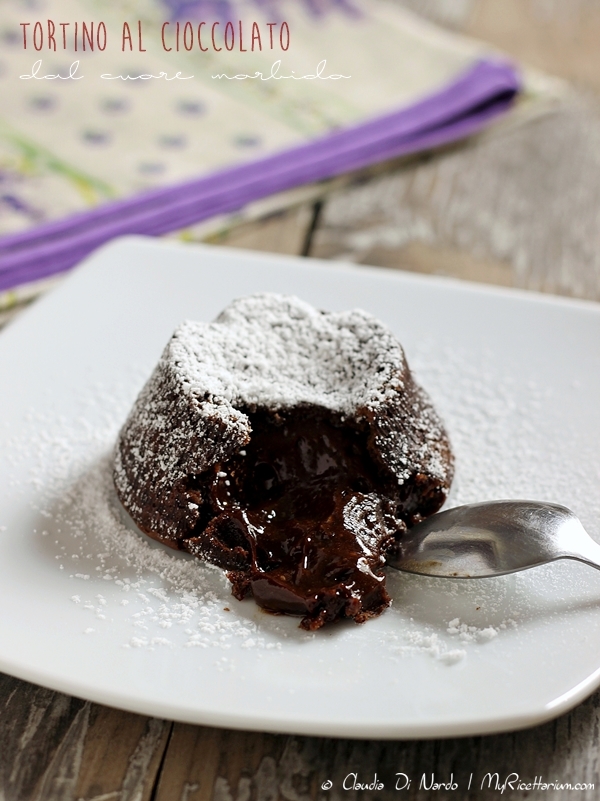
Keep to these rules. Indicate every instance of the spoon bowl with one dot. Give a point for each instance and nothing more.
(492, 539)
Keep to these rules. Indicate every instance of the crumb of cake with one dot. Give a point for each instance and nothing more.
(290, 447)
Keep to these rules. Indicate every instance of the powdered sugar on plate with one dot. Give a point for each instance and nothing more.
(170, 599)
(500, 430)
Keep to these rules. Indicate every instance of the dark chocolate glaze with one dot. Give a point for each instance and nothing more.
(301, 518)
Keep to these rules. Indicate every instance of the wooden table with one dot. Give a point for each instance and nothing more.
(517, 207)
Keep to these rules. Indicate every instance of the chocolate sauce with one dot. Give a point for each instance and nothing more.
(298, 519)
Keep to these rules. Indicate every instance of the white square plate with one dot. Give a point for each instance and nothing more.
(92, 609)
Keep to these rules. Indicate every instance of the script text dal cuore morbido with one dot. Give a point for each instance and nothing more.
(174, 36)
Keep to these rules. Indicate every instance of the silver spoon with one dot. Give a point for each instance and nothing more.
(494, 538)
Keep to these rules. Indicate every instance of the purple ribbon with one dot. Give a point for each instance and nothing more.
(462, 108)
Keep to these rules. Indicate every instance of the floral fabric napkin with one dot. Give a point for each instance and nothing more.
(111, 133)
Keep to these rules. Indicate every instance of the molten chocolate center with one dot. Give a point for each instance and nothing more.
(298, 520)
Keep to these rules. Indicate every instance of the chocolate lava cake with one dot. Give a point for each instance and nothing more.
(289, 446)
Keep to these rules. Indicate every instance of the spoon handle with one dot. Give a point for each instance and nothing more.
(588, 552)
(575, 543)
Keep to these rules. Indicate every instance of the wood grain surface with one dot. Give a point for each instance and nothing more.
(517, 207)
(520, 207)
(59, 748)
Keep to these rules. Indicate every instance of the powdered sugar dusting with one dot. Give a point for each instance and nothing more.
(500, 430)
(167, 591)
(170, 600)
(509, 438)
(279, 352)
(467, 633)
